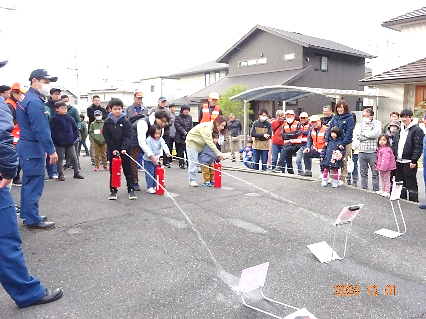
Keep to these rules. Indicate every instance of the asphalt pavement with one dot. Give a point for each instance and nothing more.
(180, 255)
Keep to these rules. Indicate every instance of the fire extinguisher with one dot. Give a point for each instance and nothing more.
(116, 172)
(159, 174)
(217, 174)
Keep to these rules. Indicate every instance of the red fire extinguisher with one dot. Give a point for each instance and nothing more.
(159, 186)
(116, 172)
(217, 174)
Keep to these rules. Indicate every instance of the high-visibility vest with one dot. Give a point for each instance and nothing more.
(304, 128)
(16, 132)
(289, 128)
(206, 113)
(318, 138)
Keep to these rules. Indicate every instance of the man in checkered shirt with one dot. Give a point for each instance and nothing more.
(368, 135)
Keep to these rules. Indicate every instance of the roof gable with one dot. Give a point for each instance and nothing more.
(301, 39)
(407, 18)
(411, 72)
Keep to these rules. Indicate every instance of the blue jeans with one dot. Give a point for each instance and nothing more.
(260, 155)
(248, 163)
(192, 163)
(276, 150)
(299, 157)
(149, 170)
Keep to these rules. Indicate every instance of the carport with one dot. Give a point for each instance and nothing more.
(286, 93)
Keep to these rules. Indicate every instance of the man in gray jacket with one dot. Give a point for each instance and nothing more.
(368, 135)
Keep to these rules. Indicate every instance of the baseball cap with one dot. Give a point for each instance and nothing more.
(172, 104)
(290, 112)
(3, 63)
(53, 90)
(17, 86)
(42, 74)
(315, 118)
(162, 98)
(138, 94)
(303, 114)
(97, 112)
(214, 96)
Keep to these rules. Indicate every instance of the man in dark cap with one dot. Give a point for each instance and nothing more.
(23, 288)
(34, 143)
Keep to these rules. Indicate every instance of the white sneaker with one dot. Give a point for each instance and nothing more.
(330, 180)
(341, 183)
(379, 193)
(193, 183)
(151, 190)
(384, 194)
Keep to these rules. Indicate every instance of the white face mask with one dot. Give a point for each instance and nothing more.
(45, 89)
(366, 120)
(98, 117)
(289, 120)
(263, 118)
(393, 129)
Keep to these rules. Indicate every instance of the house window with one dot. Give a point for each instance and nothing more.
(152, 88)
(207, 79)
(261, 61)
(242, 63)
(251, 62)
(324, 63)
(217, 76)
(289, 56)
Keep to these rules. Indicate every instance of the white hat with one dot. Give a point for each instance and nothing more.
(214, 96)
(303, 114)
(315, 118)
(290, 112)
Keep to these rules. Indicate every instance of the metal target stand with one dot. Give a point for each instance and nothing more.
(322, 250)
(395, 196)
(254, 278)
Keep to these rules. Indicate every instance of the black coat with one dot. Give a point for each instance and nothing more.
(413, 146)
(327, 153)
(183, 124)
(63, 129)
(117, 135)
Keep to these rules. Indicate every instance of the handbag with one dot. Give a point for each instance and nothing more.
(350, 165)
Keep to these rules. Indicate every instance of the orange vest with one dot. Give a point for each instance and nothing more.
(318, 138)
(289, 128)
(207, 117)
(16, 132)
(304, 128)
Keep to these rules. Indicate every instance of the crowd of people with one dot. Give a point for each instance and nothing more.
(385, 153)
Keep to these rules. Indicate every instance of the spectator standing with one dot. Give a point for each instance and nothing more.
(407, 147)
(137, 108)
(55, 94)
(385, 163)
(84, 132)
(96, 133)
(234, 129)
(304, 131)
(183, 124)
(393, 117)
(166, 129)
(172, 131)
(369, 132)
(331, 157)
(327, 112)
(277, 140)
(73, 112)
(96, 105)
(261, 132)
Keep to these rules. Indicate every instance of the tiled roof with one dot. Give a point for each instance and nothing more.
(209, 66)
(303, 40)
(407, 18)
(411, 72)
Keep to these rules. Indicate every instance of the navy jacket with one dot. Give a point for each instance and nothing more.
(117, 133)
(327, 153)
(64, 130)
(8, 156)
(346, 123)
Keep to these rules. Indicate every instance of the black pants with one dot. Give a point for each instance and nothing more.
(169, 141)
(180, 151)
(127, 170)
(287, 152)
(407, 176)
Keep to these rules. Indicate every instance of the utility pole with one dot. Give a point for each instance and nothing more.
(76, 77)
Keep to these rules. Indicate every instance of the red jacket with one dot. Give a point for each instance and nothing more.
(276, 132)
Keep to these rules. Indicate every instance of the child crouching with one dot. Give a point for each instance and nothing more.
(155, 144)
(248, 154)
(332, 156)
(206, 158)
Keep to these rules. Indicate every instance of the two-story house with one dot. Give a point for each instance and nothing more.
(267, 56)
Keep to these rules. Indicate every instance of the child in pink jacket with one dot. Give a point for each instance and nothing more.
(385, 163)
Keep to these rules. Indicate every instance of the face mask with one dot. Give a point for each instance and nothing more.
(366, 120)
(393, 129)
(45, 89)
(263, 118)
(98, 118)
(289, 120)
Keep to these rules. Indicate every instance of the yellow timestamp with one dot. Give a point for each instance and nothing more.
(371, 290)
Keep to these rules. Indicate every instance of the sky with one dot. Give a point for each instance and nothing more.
(114, 43)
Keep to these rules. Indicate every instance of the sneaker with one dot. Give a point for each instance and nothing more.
(17, 181)
(330, 180)
(96, 168)
(93, 162)
(211, 183)
(324, 182)
(233, 160)
(275, 170)
(193, 183)
(78, 176)
(379, 193)
(384, 194)
(132, 195)
(54, 177)
(136, 187)
(355, 184)
(182, 166)
(306, 174)
(113, 195)
(335, 183)
(151, 190)
(106, 168)
(199, 170)
(207, 184)
(341, 183)
(61, 178)
(167, 165)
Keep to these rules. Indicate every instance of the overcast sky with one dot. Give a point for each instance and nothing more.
(130, 40)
